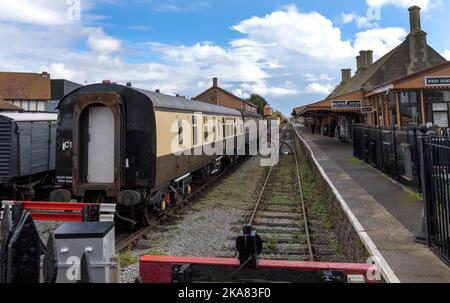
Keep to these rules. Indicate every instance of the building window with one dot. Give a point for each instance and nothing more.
(409, 108)
(392, 106)
(437, 105)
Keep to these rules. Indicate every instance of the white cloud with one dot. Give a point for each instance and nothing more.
(446, 54)
(380, 40)
(285, 55)
(100, 42)
(318, 88)
(304, 33)
(34, 11)
(360, 21)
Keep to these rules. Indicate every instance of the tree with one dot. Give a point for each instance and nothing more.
(259, 101)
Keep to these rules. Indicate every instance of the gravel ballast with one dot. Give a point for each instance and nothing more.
(204, 229)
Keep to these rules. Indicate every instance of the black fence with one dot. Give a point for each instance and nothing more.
(393, 151)
(401, 154)
(436, 176)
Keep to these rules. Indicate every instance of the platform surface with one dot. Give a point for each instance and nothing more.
(387, 215)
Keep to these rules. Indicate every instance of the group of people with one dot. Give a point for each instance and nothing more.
(326, 130)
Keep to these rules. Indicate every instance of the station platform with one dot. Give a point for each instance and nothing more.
(385, 214)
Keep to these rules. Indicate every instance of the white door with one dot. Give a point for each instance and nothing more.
(101, 145)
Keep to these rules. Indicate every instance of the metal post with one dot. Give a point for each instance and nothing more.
(423, 237)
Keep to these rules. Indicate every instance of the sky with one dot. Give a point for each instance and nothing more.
(289, 52)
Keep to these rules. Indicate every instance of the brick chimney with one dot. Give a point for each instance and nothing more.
(414, 19)
(358, 63)
(369, 57)
(215, 82)
(346, 74)
(417, 39)
(364, 59)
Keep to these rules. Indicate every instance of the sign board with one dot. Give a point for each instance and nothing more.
(346, 104)
(366, 109)
(440, 107)
(441, 119)
(439, 81)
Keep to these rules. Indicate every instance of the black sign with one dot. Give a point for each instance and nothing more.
(345, 104)
(437, 80)
(366, 109)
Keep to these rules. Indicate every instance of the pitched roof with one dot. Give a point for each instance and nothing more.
(8, 106)
(423, 72)
(24, 86)
(226, 92)
(357, 81)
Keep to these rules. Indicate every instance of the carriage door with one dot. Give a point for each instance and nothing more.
(101, 145)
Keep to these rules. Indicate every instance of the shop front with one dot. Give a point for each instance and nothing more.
(347, 111)
(421, 98)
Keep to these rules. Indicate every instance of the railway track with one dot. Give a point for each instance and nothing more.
(280, 214)
(125, 241)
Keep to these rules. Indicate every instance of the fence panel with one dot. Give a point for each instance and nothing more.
(394, 152)
(437, 189)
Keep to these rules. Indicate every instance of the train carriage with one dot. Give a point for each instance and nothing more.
(116, 143)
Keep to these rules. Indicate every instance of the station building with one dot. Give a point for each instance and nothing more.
(219, 96)
(369, 95)
(419, 98)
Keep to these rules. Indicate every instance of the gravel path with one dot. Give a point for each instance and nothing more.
(202, 230)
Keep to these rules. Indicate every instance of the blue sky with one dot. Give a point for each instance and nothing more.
(290, 52)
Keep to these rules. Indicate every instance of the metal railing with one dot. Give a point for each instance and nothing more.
(393, 151)
(436, 191)
(401, 154)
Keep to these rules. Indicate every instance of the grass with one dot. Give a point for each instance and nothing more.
(272, 242)
(153, 252)
(127, 258)
(354, 160)
(230, 192)
(313, 196)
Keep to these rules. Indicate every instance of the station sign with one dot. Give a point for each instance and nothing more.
(346, 104)
(366, 109)
(444, 80)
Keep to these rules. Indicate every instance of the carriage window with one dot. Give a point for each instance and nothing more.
(205, 130)
(180, 132)
(214, 128)
(194, 130)
(205, 134)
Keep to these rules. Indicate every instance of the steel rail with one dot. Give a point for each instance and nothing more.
(128, 241)
(299, 180)
(305, 219)
(263, 189)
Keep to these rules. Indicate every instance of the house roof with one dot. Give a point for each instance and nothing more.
(429, 71)
(24, 86)
(226, 92)
(358, 80)
(8, 106)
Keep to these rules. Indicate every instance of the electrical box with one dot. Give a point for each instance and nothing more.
(94, 239)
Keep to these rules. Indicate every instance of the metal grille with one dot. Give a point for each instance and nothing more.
(437, 192)
(394, 152)
(5, 147)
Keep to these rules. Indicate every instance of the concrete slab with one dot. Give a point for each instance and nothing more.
(387, 216)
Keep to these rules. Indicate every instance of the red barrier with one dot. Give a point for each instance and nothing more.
(55, 211)
(158, 269)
